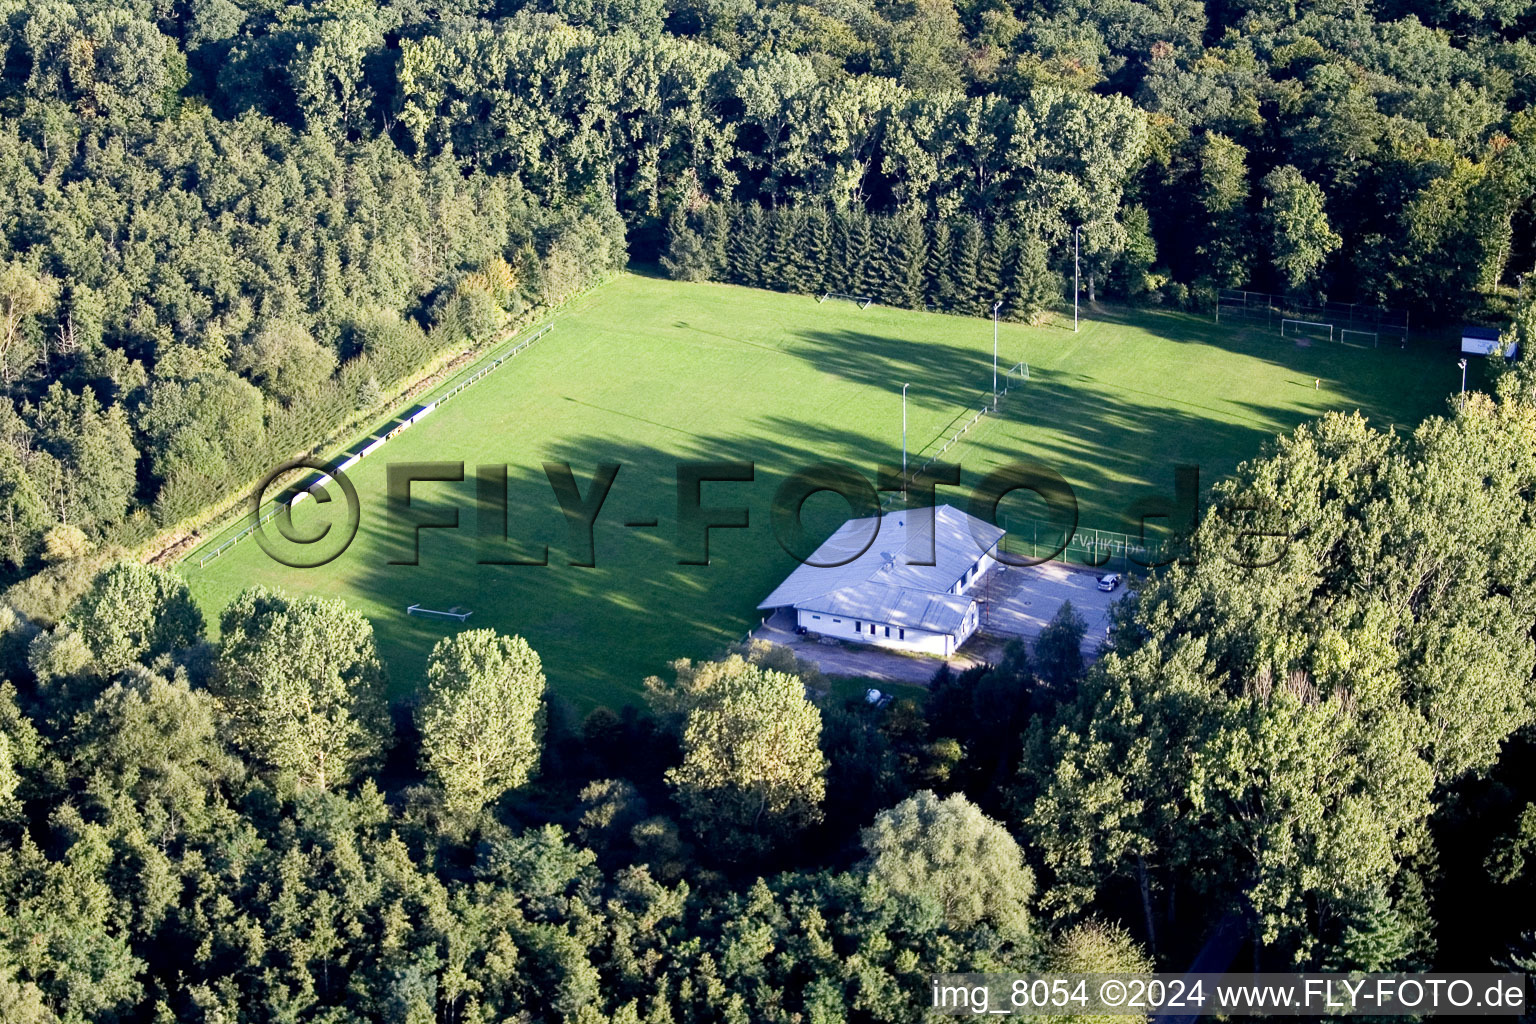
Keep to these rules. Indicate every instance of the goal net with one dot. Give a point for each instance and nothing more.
(1305, 328)
(458, 612)
(862, 301)
(1360, 339)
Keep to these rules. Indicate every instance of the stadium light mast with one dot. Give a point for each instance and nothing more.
(1075, 229)
(1463, 365)
(995, 306)
(904, 439)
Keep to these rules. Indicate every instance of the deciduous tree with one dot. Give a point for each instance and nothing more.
(135, 613)
(944, 855)
(302, 682)
(483, 716)
(752, 774)
(1296, 224)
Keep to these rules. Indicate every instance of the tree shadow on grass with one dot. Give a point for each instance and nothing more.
(602, 629)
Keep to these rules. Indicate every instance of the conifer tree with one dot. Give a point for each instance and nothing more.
(816, 245)
(791, 258)
(1377, 939)
(1032, 286)
(909, 251)
(775, 250)
(964, 265)
(857, 247)
(940, 289)
(879, 278)
(748, 245)
(990, 270)
(715, 234)
(837, 266)
(684, 258)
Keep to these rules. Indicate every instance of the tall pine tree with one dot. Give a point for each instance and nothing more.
(716, 235)
(1032, 287)
(778, 241)
(940, 286)
(816, 245)
(964, 264)
(879, 277)
(684, 258)
(748, 245)
(990, 269)
(792, 256)
(909, 255)
(855, 242)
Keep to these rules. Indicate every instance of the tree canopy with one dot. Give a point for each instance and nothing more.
(482, 718)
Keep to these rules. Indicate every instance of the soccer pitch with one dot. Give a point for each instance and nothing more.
(648, 373)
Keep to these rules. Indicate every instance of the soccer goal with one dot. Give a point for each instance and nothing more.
(1296, 328)
(1359, 339)
(863, 301)
(456, 612)
(1018, 374)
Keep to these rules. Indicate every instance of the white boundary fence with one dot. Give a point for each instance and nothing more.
(1021, 369)
(1018, 372)
(301, 493)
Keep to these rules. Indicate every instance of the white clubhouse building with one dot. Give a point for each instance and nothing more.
(867, 582)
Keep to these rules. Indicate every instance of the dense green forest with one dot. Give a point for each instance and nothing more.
(229, 227)
(1335, 753)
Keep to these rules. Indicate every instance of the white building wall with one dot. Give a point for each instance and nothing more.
(917, 640)
(967, 627)
(984, 566)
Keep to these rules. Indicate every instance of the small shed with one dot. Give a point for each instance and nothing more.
(1482, 341)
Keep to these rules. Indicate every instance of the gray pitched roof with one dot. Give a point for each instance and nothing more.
(849, 560)
(893, 606)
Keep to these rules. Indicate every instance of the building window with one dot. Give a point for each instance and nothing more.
(816, 617)
(858, 627)
(839, 621)
(903, 634)
(887, 630)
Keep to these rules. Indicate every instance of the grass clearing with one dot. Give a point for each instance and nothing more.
(646, 373)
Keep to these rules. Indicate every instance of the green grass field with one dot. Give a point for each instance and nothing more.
(646, 373)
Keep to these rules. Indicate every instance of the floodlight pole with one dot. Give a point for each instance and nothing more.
(1075, 229)
(904, 440)
(1463, 365)
(995, 307)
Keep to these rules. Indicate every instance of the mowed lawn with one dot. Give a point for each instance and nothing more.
(648, 373)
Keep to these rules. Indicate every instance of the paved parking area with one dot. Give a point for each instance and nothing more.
(1021, 601)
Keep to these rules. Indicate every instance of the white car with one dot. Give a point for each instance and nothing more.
(1109, 582)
